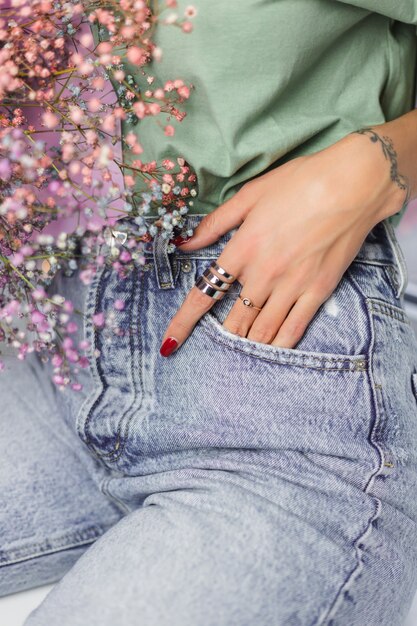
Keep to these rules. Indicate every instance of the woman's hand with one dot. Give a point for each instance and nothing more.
(301, 225)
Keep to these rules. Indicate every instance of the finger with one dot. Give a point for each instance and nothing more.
(297, 320)
(242, 316)
(274, 311)
(182, 323)
(225, 217)
(197, 303)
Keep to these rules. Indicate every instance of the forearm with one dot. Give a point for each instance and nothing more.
(395, 145)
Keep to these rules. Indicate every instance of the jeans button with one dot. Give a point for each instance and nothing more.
(186, 266)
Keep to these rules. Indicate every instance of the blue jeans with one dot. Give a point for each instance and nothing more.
(234, 483)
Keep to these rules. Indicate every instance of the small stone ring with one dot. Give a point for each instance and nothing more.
(248, 302)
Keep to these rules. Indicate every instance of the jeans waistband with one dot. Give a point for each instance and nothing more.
(381, 246)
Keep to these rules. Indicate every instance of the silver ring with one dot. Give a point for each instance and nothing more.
(205, 287)
(210, 284)
(222, 271)
(215, 280)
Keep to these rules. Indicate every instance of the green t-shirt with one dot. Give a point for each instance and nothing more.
(275, 79)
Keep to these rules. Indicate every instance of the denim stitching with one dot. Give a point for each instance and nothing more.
(399, 256)
(359, 544)
(293, 359)
(391, 273)
(77, 538)
(380, 306)
(296, 359)
(100, 454)
(105, 489)
(138, 388)
(91, 304)
(389, 269)
(352, 361)
(162, 263)
(97, 367)
(167, 270)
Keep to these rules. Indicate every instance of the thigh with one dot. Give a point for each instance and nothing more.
(222, 549)
(208, 551)
(270, 485)
(51, 505)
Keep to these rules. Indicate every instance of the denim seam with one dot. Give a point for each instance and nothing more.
(380, 306)
(399, 256)
(77, 538)
(295, 362)
(391, 272)
(134, 406)
(104, 387)
(353, 362)
(359, 543)
(93, 306)
(378, 262)
(212, 252)
(91, 303)
(389, 269)
(164, 267)
(105, 489)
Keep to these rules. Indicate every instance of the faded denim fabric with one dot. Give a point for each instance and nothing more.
(233, 483)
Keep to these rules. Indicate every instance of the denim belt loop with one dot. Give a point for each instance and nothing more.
(166, 266)
(399, 257)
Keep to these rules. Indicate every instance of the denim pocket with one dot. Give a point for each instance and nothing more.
(219, 391)
(336, 338)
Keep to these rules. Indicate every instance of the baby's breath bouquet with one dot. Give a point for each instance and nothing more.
(65, 192)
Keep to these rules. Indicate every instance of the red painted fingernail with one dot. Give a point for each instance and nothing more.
(178, 241)
(168, 346)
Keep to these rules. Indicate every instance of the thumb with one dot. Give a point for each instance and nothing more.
(228, 215)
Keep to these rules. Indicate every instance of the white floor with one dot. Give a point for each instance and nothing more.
(15, 608)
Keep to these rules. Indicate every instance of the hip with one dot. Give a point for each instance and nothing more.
(348, 390)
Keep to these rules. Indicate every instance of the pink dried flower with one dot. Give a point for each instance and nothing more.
(190, 11)
(98, 319)
(119, 305)
(62, 189)
(169, 130)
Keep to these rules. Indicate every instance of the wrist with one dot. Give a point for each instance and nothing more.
(394, 203)
(388, 189)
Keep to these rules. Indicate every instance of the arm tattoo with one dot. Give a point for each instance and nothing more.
(390, 154)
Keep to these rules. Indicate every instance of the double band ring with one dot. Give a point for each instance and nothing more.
(222, 271)
(214, 280)
(215, 287)
(205, 287)
(210, 284)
